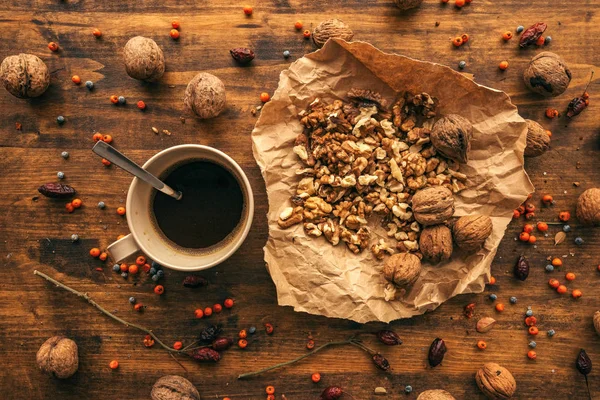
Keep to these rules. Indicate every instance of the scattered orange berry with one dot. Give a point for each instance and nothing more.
(174, 34)
(139, 307)
(243, 334)
(107, 139)
(208, 311)
(159, 289)
(533, 330)
(516, 214)
(177, 345)
(69, 207)
(524, 237)
(76, 79)
(310, 344)
(542, 226)
(175, 24)
(148, 341)
(114, 99)
(97, 32)
(95, 252)
(557, 262)
(133, 269)
(547, 199)
(264, 97)
(306, 34)
(464, 37)
(114, 364)
(120, 237)
(316, 377)
(121, 211)
(529, 215)
(141, 260)
(228, 303)
(492, 281)
(270, 397)
(459, 3)
(97, 137)
(499, 307)
(570, 276)
(445, 1)
(521, 209)
(528, 228)
(562, 289)
(242, 343)
(576, 293)
(507, 35)
(270, 390)
(248, 10)
(529, 207)
(269, 328)
(217, 308)
(551, 112)
(53, 46)
(298, 25)
(199, 313)
(503, 65)
(146, 268)
(76, 203)
(482, 345)
(531, 355)
(554, 283)
(564, 216)
(532, 239)
(531, 321)
(103, 256)
(124, 267)
(106, 162)
(549, 133)
(541, 40)
(457, 41)
(141, 105)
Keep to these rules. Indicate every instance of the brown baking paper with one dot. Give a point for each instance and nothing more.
(315, 277)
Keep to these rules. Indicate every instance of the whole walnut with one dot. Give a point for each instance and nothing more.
(436, 394)
(174, 387)
(597, 322)
(407, 4)
(471, 231)
(451, 135)
(433, 205)
(547, 74)
(331, 28)
(538, 140)
(205, 95)
(144, 60)
(588, 207)
(495, 381)
(24, 76)
(58, 356)
(435, 243)
(402, 269)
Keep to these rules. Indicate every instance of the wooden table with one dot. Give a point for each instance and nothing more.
(36, 231)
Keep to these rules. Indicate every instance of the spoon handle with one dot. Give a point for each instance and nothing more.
(108, 152)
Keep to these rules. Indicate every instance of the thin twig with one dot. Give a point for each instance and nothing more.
(177, 361)
(588, 387)
(104, 311)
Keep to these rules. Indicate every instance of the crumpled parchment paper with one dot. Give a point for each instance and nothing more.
(315, 277)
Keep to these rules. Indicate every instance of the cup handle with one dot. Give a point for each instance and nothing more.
(123, 248)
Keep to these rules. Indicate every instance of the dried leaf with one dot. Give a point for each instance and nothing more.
(559, 238)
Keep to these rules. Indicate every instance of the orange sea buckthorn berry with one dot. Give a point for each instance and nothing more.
(124, 267)
(146, 267)
(564, 216)
(248, 10)
(524, 237)
(217, 308)
(533, 330)
(114, 99)
(141, 105)
(120, 237)
(529, 207)
(557, 262)
(208, 311)
(316, 377)
(492, 281)
(141, 260)
(270, 390)
(243, 334)
(76, 203)
(576, 293)
(228, 303)
(226, 398)
(541, 40)
(107, 138)
(97, 32)
(105, 162)
(503, 65)
(103, 256)
(570, 276)
(507, 35)
(269, 328)
(482, 345)
(175, 24)
(310, 344)
(95, 252)
(69, 207)
(531, 321)
(459, 3)
(499, 307)
(76, 79)
(133, 269)
(549, 133)
(114, 364)
(532, 239)
(264, 97)
(554, 283)
(139, 307)
(198, 313)
(270, 397)
(445, 1)
(562, 289)
(159, 289)
(121, 211)
(516, 214)
(528, 228)
(457, 41)
(298, 25)
(177, 345)
(521, 209)
(532, 355)
(148, 341)
(551, 112)
(542, 226)
(242, 343)
(174, 34)
(529, 215)
(97, 137)
(547, 199)
(465, 38)
(53, 46)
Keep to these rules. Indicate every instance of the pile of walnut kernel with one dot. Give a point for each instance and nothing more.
(363, 158)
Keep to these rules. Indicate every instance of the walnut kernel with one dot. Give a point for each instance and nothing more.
(331, 28)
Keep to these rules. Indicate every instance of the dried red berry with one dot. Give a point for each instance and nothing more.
(193, 281)
(332, 393)
(57, 190)
(389, 338)
(532, 34)
(222, 343)
(210, 333)
(381, 362)
(205, 354)
(242, 55)
(437, 350)
(521, 270)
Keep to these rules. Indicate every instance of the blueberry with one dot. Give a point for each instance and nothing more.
(116, 267)
(566, 228)
(551, 332)
(408, 389)
(520, 28)
(252, 330)
(578, 241)
(132, 300)
(286, 53)
(101, 204)
(122, 100)
(60, 175)
(513, 300)
(532, 344)
(160, 272)
(152, 271)
(529, 313)
(60, 119)
(493, 297)
(64, 154)
(549, 267)
(155, 265)
(155, 278)
(462, 64)
(548, 40)
(124, 275)
(89, 85)
(74, 237)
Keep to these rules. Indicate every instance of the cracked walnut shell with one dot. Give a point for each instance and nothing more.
(538, 140)
(174, 387)
(471, 231)
(433, 205)
(58, 356)
(495, 381)
(547, 74)
(144, 60)
(451, 135)
(24, 75)
(435, 394)
(331, 28)
(435, 243)
(407, 4)
(402, 269)
(588, 207)
(205, 95)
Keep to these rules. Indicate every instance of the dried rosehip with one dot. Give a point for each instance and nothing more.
(576, 106)
(532, 34)
(57, 190)
(205, 354)
(381, 362)
(583, 363)
(193, 281)
(437, 350)
(222, 343)
(332, 393)
(469, 310)
(242, 55)
(521, 270)
(389, 338)
(210, 333)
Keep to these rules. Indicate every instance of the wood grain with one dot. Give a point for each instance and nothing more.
(36, 232)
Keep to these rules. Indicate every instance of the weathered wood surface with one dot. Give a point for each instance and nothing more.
(36, 234)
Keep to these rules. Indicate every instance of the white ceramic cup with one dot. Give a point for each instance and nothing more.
(145, 235)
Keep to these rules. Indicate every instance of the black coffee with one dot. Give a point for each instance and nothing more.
(210, 209)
